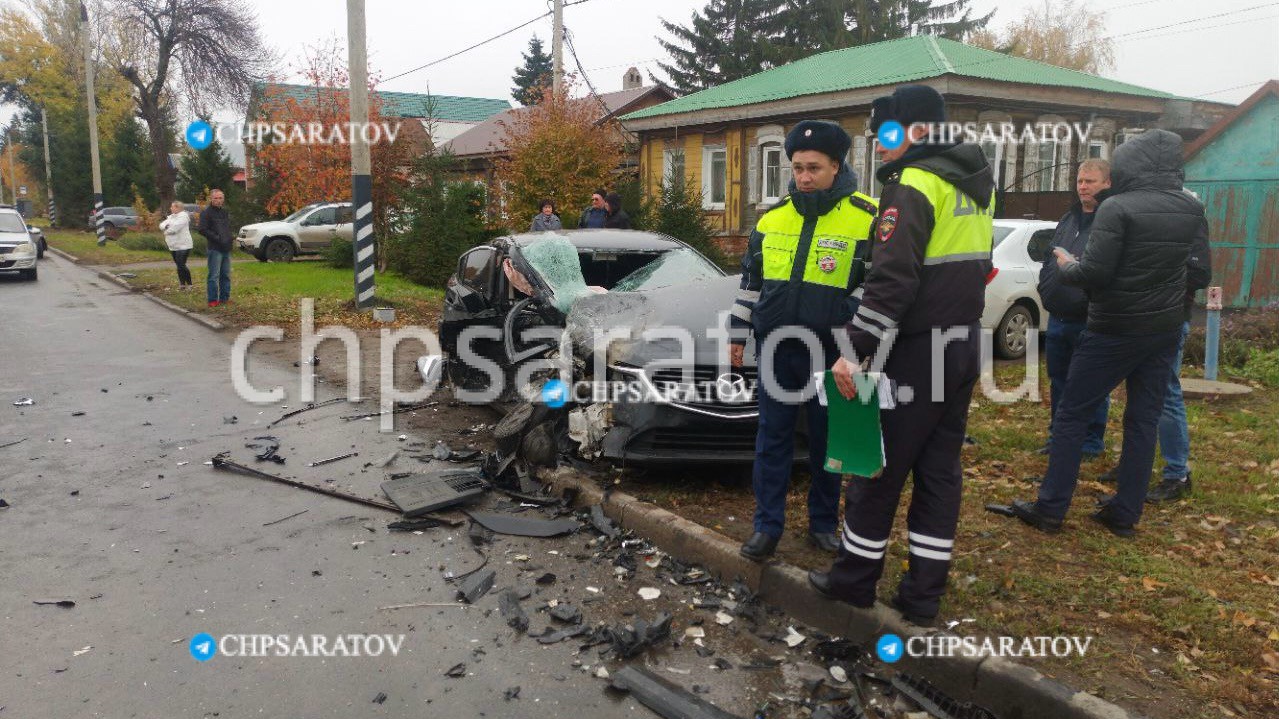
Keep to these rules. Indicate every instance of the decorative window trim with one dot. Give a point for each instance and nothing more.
(708, 153)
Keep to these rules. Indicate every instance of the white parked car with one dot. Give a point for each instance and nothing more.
(306, 232)
(18, 249)
(1012, 294)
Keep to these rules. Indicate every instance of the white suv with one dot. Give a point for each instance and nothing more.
(18, 250)
(306, 232)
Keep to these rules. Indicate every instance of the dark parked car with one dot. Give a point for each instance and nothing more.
(654, 406)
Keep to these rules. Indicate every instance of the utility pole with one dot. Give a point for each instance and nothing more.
(48, 169)
(93, 127)
(361, 162)
(557, 49)
(13, 169)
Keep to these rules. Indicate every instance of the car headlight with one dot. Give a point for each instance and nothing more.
(24, 248)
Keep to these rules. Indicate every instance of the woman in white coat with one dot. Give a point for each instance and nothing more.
(177, 235)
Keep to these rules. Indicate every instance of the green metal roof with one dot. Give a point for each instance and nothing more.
(447, 108)
(892, 62)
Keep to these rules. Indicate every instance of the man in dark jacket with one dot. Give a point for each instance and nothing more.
(594, 215)
(1137, 268)
(215, 225)
(616, 218)
(1068, 305)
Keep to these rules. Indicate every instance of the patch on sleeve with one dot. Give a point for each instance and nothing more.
(887, 223)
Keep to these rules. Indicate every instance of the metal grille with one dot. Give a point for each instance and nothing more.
(704, 378)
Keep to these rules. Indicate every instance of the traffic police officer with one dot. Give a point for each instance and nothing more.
(798, 274)
(921, 302)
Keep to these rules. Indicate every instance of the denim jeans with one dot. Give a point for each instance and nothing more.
(219, 282)
(775, 445)
(1174, 434)
(1059, 346)
(1101, 361)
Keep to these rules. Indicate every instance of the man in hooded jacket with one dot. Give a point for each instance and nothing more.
(799, 274)
(919, 316)
(1147, 248)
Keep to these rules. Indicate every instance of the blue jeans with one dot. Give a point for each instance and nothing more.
(1100, 363)
(1059, 347)
(219, 282)
(775, 446)
(1174, 433)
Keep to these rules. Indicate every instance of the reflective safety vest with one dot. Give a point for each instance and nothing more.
(810, 267)
(962, 229)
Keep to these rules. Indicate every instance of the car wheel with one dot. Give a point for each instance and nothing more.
(31, 274)
(1010, 333)
(260, 254)
(40, 251)
(108, 227)
(279, 250)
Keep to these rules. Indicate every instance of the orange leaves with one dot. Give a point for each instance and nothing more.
(1151, 584)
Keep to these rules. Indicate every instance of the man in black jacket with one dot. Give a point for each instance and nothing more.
(1068, 305)
(215, 225)
(1148, 246)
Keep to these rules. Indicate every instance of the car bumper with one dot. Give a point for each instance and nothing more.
(11, 263)
(248, 245)
(650, 433)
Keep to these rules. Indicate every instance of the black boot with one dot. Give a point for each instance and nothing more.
(824, 541)
(1169, 490)
(759, 547)
(1028, 513)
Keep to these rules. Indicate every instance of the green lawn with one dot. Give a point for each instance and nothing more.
(84, 245)
(268, 293)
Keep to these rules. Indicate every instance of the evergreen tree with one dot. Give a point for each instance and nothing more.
(128, 165)
(813, 26)
(208, 168)
(725, 41)
(679, 213)
(534, 75)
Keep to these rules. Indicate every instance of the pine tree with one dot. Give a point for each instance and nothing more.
(533, 76)
(813, 26)
(208, 168)
(725, 41)
(127, 165)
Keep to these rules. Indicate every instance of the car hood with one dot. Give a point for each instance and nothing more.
(700, 308)
(13, 238)
(268, 227)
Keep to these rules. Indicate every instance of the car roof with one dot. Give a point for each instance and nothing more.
(1025, 223)
(606, 239)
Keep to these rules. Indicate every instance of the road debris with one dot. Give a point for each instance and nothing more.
(603, 524)
(230, 420)
(476, 586)
(281, 519)
(221, 462)
(24, 402)
(934, 701)
(384, 461)
(319, 462)
(508, 605)
(380, 698)
(84, 650)
(265, 449)
(67, 603)
(413, 525)
(420, 493)
(455, 671)
(663, 697)
(10, 444)
(566, 613)
(524, 526)
(630, 639)
(308, 408)
(649, 593)
(511, 693)
(794, 638)
(415, 605)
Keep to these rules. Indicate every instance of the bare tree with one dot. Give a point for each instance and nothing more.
(1061, 33)
(208, 50)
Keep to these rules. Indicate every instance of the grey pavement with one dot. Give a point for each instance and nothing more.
(116, 510)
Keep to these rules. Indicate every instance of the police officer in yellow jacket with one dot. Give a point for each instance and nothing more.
(798, 276)
(919, 312)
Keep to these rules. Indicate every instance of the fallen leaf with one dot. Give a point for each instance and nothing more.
(1151, 584)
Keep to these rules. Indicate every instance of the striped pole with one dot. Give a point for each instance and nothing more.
(48, 169)
(93, 127)
(361, 161)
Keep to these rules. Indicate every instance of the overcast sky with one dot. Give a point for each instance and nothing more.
(1219, 58)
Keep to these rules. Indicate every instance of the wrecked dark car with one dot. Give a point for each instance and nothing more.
(634, 322)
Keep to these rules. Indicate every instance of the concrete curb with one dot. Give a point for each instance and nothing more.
(64, 255)
(1010, 690)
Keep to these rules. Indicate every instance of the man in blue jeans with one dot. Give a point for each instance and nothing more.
(1067, 305)
(215, 225)
(1147, 249)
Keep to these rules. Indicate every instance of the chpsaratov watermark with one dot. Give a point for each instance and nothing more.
(891, 648)
(200, 134)
(205, 646)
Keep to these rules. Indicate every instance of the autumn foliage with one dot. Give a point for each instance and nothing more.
(302, 173)
(557, 149)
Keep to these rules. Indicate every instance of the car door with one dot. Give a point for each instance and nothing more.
(475, 296)
(317, 229)
(345, 223)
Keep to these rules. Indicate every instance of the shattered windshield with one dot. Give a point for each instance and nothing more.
(556, 262)
(676, 267)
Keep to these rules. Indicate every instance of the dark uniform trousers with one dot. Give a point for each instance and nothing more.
(923, 438)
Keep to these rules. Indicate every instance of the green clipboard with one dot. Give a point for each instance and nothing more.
(854, 438)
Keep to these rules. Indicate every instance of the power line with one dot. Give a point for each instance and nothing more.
(1254, 83)
(1205, 27)
(472, 47)
(1192, 20)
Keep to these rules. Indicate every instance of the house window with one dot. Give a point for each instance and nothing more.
(1047, 171)
(994, 153)
(714, 177)
(774, 173)
(1096, 150)
(672, 166)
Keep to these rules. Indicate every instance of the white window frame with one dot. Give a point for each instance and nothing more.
(873, 164)
(783, 173)
(668, 161)
(708, 155)
(996, 162)
(1048, 173)
(1101, 150)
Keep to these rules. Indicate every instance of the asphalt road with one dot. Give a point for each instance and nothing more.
(117, 510)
